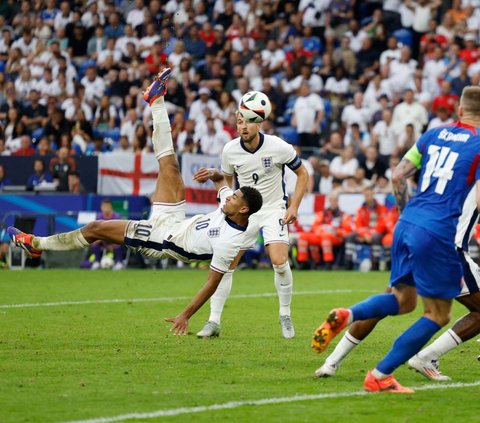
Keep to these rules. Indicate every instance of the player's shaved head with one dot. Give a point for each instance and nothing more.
(470, 100)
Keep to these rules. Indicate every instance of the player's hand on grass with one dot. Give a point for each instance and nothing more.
(180, 325)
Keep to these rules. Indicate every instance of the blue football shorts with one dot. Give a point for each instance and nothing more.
(426, 261)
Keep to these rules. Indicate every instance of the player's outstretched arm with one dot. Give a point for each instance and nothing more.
(180, 322)
(204, 174)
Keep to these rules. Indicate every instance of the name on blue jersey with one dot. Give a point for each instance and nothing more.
(450, 136)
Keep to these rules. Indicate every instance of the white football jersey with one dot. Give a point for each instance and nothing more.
(263, 168)
(210, 237)
(211, 234)
(467, 221)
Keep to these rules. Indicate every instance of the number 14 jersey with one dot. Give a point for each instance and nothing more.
(448, 157)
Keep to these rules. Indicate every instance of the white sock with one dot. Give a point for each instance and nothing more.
(162, 132)
(61, 242)
(342, 349)
(219, 298)
(284, 285)
(446, 342)
(378, 374)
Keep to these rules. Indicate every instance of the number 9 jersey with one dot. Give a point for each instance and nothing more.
(263, 168)
(441, 153)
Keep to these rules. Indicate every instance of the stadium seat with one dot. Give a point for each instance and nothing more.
(404, 36)
(289, 134)
(37, 134)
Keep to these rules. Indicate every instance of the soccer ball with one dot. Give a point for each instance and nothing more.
(107, 261)
(255, 107)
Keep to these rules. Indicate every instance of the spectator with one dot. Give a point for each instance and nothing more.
(401, 71)
(462, 80)
(384, 136)
(114, 29)
(25, 83)
(194, 45)
(105, 115)
(60, 166)
(74, 184)
(337, 88)
(212, 141)
(409, 111)
(442, 117)
(81, 133)
(356, 113)
(446, 99)
(369, 230)
(35, 114)
(186, 140)
(26, 148)
(44, 147)
(94, 86)
(328, 230)
(77, 44)
(204, 101)
(434, 70)
(371, 163)
(56, 126)
(39, 176)
(10, 102)
(97, 43)
(345, 164)
(333, 147)
(308, 113)
(356, 183)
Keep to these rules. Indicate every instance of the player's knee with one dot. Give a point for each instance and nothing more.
(92, 229)
(406, 302)
(280, 268)
(443, 318)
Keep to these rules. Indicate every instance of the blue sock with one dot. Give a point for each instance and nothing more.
(379, 305)
(408, 344)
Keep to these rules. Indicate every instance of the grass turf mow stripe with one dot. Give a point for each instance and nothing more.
(265, 401)
(172, 299)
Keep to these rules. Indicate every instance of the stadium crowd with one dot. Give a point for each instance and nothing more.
(352, 83)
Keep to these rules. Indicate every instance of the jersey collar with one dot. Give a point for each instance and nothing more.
(465, 126)
(259, 146)
(235, 225)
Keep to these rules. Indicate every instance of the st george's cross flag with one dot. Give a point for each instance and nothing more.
(126, 173)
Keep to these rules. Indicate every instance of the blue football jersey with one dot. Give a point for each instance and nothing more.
(449, 168)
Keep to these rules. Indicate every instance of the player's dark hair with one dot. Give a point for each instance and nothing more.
(253, 198)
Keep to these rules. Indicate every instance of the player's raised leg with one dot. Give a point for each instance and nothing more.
(169, 188)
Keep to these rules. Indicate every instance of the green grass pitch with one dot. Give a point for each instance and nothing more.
(92, 346)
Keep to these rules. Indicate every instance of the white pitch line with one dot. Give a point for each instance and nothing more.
(171, 299)
(266, 401)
